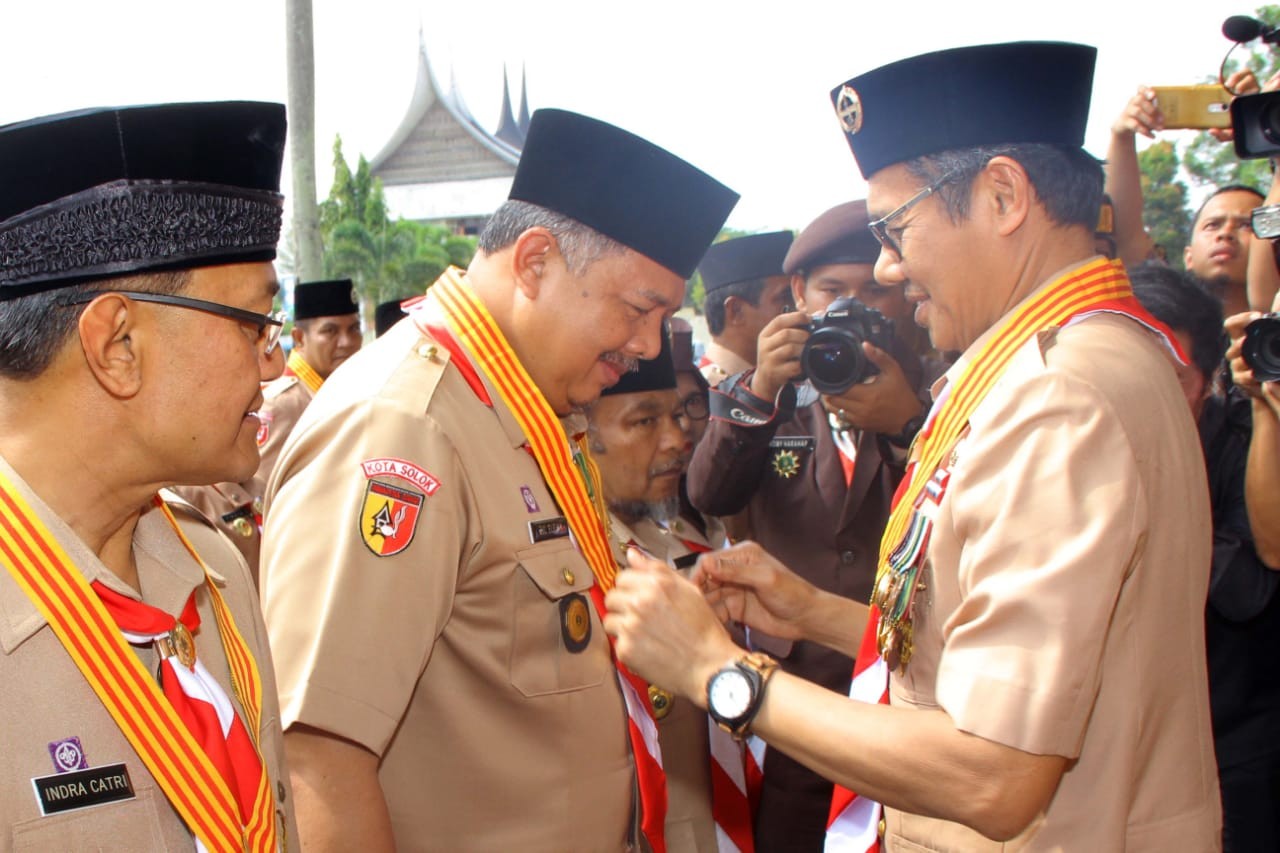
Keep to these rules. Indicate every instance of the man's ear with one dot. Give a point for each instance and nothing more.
(797, 291)
(733, 310)
(533, 251)
(112, 344)
(296, 334)
(1007, 192)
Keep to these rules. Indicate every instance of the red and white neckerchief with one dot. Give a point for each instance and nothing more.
(197, 697)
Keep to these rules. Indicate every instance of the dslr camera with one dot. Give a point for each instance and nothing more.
(832, 359)
(1261, 348)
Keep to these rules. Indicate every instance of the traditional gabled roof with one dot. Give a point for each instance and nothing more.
(439, 140)
(523, 118)
(509, 130)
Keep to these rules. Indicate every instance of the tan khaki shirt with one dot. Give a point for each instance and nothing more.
(284, 401)
(48, 702)
(234, 508)
(682, 732)
(721, 363)
(1065, 588)
(418, 581)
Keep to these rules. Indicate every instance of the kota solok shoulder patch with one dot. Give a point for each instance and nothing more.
(394, 494)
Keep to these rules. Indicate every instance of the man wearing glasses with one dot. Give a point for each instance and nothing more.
(1037, 612)
(140, 707)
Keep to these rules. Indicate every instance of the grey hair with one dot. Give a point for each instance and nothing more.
(580, 245)
(35, 327)
(1067, 180)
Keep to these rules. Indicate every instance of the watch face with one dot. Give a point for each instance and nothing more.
(1266, 222)
(730, 694)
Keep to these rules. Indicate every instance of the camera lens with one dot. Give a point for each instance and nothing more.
(1261, 350)
(1270, 123)
(832, 358)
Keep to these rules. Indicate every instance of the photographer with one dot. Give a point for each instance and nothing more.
(1242, 615)
(815, 475)
(1217, 251)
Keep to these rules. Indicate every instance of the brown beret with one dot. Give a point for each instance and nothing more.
(839, 236)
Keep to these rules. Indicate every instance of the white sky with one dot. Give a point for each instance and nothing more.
(738, 88)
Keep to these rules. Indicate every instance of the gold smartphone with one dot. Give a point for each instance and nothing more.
(1196, 107)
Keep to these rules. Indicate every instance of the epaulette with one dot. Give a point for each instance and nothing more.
(278, 386)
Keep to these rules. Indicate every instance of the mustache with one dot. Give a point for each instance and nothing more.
(676, 466)
(626, 362)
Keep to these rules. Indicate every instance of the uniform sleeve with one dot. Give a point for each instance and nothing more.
(352, 630)
(730, 460)
(279, 414)
(1049, 504)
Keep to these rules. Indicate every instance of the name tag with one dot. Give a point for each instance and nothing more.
(548, 528)
(64, 792)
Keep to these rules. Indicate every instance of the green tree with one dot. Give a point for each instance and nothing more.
(386, 259)
(1164, 210)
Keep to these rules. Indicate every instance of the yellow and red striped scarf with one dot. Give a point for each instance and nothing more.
(297, 366)
(195, 788)
(575, 490)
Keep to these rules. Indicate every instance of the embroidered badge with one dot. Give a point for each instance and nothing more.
(264, 427)
(789, 453)
(79, 789)
(529, 501)
(68, 755)
(575, 622)
(389, 515)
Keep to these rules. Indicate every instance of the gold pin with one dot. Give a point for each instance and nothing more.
(178, 643)
(242, 526)
(661, 700)
(427, 351)
(569, 576)
(257, 506)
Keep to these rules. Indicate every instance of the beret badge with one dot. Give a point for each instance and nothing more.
(849, 109)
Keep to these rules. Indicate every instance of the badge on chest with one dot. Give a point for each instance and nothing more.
(788, 454)
(74, 784)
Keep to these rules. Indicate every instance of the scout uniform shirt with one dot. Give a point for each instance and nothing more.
(52, 723)
(719, 363)
(284, 400)
(682, 725)
(1065, 582)
(426, 601)
(236, 510)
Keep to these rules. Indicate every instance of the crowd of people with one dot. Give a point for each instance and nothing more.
(960, 534)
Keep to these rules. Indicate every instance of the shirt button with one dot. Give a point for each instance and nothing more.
(847, 557)
(280, 791)
(568, 576)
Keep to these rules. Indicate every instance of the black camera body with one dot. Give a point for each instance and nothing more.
(832, 359)
(1261, 348)
(1255, 125)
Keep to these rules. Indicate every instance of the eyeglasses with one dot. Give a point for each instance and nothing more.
(695, 407)
(269, 325)
(880, 228)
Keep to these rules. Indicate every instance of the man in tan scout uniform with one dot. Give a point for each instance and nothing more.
(445, 680)
(326, 332)
(640, 442)
(140, 707)
(1043, 572)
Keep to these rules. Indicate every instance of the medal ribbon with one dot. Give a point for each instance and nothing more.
(297, 365)
(191, 782)
(574, 489)
(1100, 285)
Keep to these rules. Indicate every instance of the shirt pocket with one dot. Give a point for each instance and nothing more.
(129, 825)
(551, 598)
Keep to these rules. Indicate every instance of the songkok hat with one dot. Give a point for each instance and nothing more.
(386, 315)
(839, 236)
(656, 374)
(622, 186)
(335, 298)
(966, 97)
(109, 191)
(682, 350)
(744, 258)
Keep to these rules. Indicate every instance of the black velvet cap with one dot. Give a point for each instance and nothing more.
(838, 236)
(333, 298)
(964, 97)
(622, 186)
(655, 374)
(744, 258)
(386, 315)
(108, 191)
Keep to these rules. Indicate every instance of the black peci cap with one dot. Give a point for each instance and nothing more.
(334, 298)
(386, 315)
(622, 186)
(655, 374)
(838, 236)
(109, 191)
(965, 97)
(744, 258)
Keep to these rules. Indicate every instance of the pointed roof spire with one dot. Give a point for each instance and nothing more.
(522, 120)
(508, 131)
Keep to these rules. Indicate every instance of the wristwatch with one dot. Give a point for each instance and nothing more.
(903, 439)
(735, 693)
(1266, 221)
